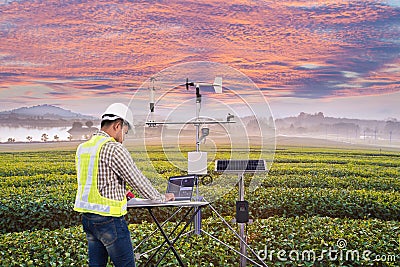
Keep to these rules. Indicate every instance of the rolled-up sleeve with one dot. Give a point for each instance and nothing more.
(122, 163)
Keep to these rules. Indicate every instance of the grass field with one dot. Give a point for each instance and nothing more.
(316, 207)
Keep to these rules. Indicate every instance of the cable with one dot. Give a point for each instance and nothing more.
(207, 181)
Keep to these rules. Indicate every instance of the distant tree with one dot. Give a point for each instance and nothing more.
(56, 138)
(368, 132)
(29, 138)
(11, 140)
(392, 126)
(89, 124)
(79, 132)
(301, 130)
(77, 124)
(302, 115)
(45, 137)
(392, 119)
(70, 138)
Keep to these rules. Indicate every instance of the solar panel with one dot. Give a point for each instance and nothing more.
(240, 165)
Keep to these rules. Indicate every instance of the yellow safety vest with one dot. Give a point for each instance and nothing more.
(88, 198)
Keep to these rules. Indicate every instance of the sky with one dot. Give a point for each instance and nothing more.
(336, 57)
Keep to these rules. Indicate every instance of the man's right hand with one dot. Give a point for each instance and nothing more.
(169, 196)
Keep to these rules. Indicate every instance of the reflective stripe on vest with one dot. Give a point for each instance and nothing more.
(88, 198)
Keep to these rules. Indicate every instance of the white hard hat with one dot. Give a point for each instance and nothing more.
(118, 111)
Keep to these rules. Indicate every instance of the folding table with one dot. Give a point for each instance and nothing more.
(194, 206)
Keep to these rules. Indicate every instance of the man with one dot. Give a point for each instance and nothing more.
(104, 166)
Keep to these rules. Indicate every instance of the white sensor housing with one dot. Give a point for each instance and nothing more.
(197, 163)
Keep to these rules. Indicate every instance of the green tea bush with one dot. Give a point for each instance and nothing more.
(61, 247)
(41, 186)
(355, 204)
(294, 235)
(357, 191)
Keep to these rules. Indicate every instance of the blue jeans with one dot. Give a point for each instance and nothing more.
(108, 236)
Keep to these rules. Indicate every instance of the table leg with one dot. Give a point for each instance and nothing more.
(171, 245)
(180, 233)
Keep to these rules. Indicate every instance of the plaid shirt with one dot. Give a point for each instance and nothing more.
(116, 168)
